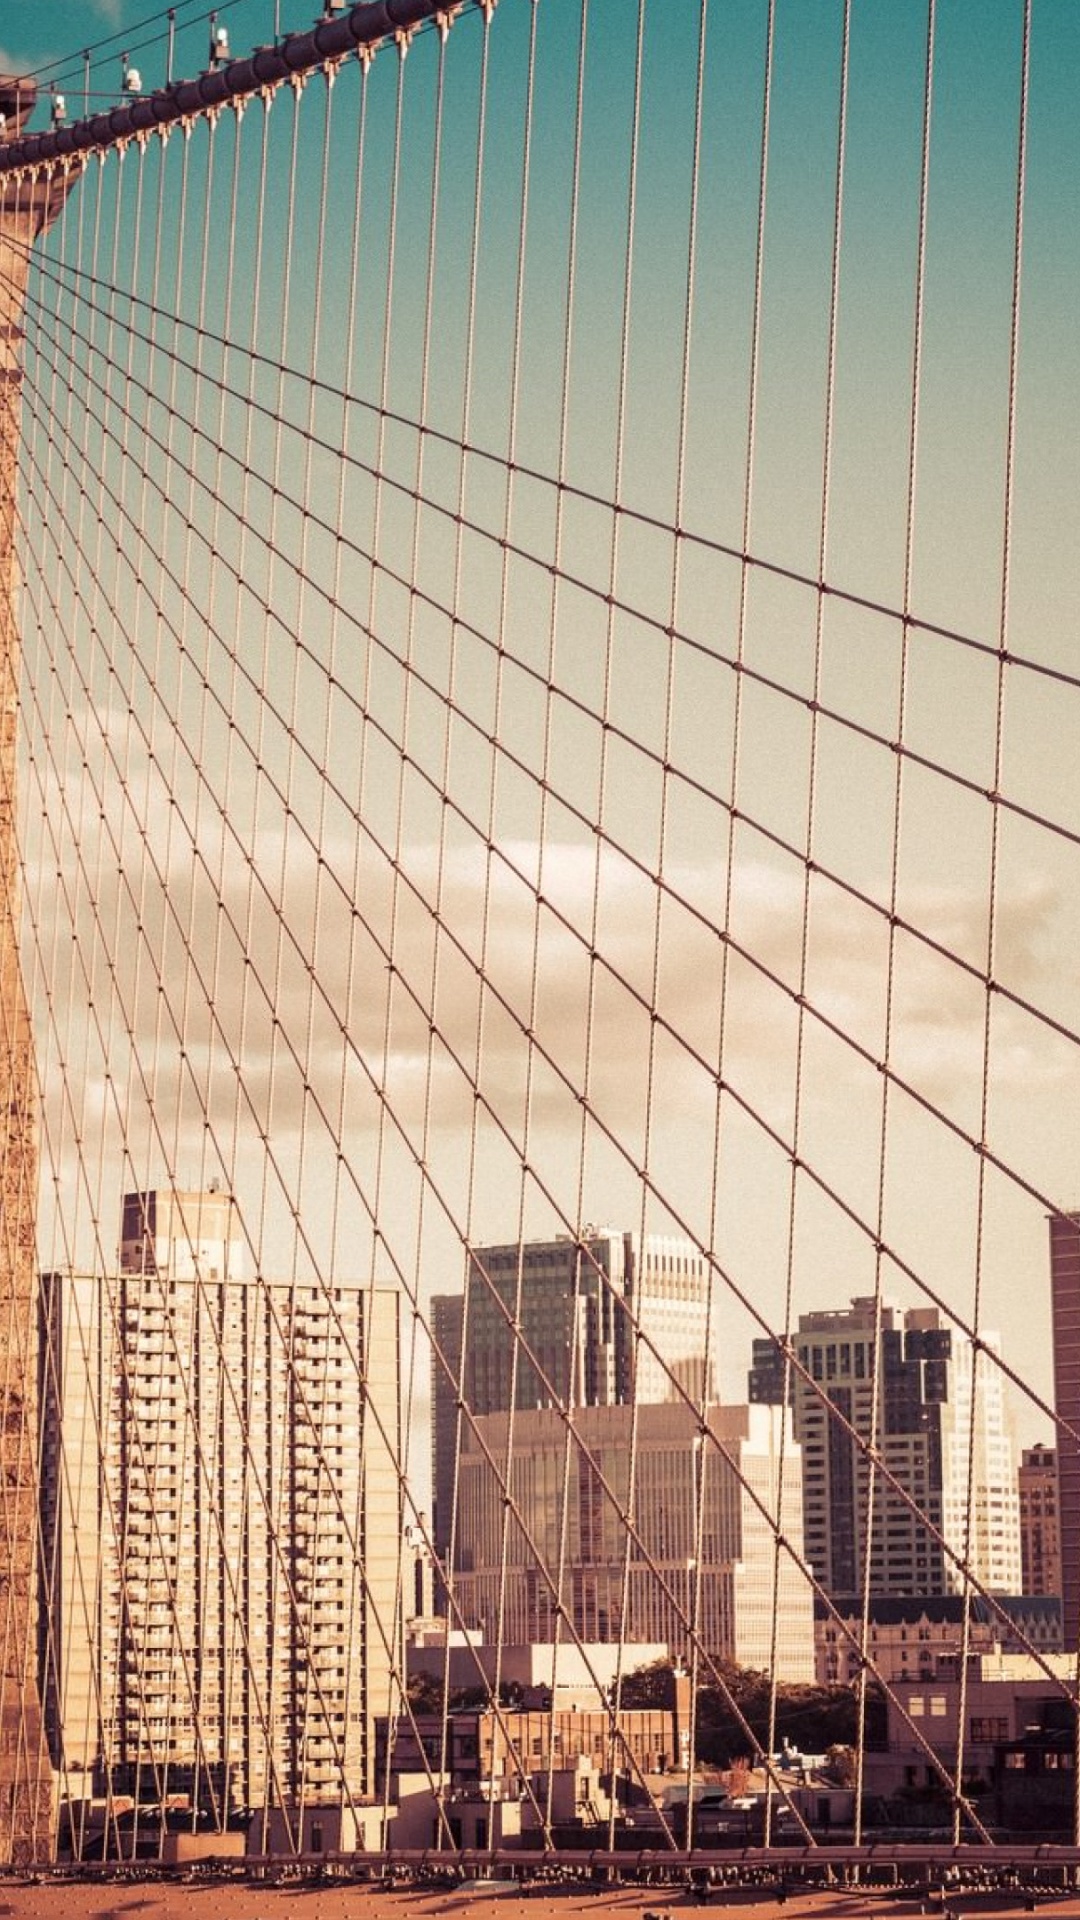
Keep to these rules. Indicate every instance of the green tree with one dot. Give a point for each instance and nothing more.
(424, 1692)
(649, 1686)
(810, 1718)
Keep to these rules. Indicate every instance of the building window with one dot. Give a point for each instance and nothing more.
(986, 1729)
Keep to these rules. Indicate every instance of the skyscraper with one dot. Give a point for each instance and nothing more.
(1065, 1310)
(628, 1524)
(941, 1425)
(221, 1521)
(1040, 1537)
(598, 1321)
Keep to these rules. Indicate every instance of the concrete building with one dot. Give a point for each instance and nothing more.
(560, 1674)
(1065, 1312)
(511, 1744)
(1040, 1534)
(221, 1523)
(1035, 1775)
(931, 1391)
(700, 1564)
(601, 1320)
(1002, 1697)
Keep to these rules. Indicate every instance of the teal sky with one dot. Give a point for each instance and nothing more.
(180, 615)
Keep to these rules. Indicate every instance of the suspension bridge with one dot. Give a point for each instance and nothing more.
(539, 822)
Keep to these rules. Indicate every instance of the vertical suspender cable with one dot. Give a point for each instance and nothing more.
(862, 1677)
(812, 779)
(971, 1522)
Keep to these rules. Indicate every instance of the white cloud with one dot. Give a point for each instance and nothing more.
(313, 1000)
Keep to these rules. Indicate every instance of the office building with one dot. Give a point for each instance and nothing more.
(1040, 1538)
(221, 1522)
(1065, 1311)
(697, 1565)
(602, 1320)
(941, 1428)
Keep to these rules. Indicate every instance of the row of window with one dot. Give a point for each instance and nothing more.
(849, 1357)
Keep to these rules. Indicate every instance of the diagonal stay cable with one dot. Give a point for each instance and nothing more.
(742, 555)
(903, 753)
(1008, 995)
(629, 1757)
(750, 959)
(727, 1281)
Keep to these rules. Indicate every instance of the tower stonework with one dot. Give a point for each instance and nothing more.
(26, 1815)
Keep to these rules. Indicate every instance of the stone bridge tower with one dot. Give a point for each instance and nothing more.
(27, 206)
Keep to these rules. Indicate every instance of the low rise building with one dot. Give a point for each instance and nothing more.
(559, 1674)
(1035, 1776)
(1003, 1697)
(508, 1745)
(907, 1635)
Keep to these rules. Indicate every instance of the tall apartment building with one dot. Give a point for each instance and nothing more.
(940, 1416)
(603, 1320)
(221, 1521)
(698, 1561)
(1040, 1537)
(1065, 1311)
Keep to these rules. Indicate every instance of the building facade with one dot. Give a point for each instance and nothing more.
(698, 1564)
(906, 1636)
(979, 1712)
(1065, 1311)
(602, 1320)
(476, 1744)
(221, 1522)
(560, 1673)
(1040, 1535)
(937, 1413)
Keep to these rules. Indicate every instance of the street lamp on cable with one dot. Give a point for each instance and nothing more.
(219, 43)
